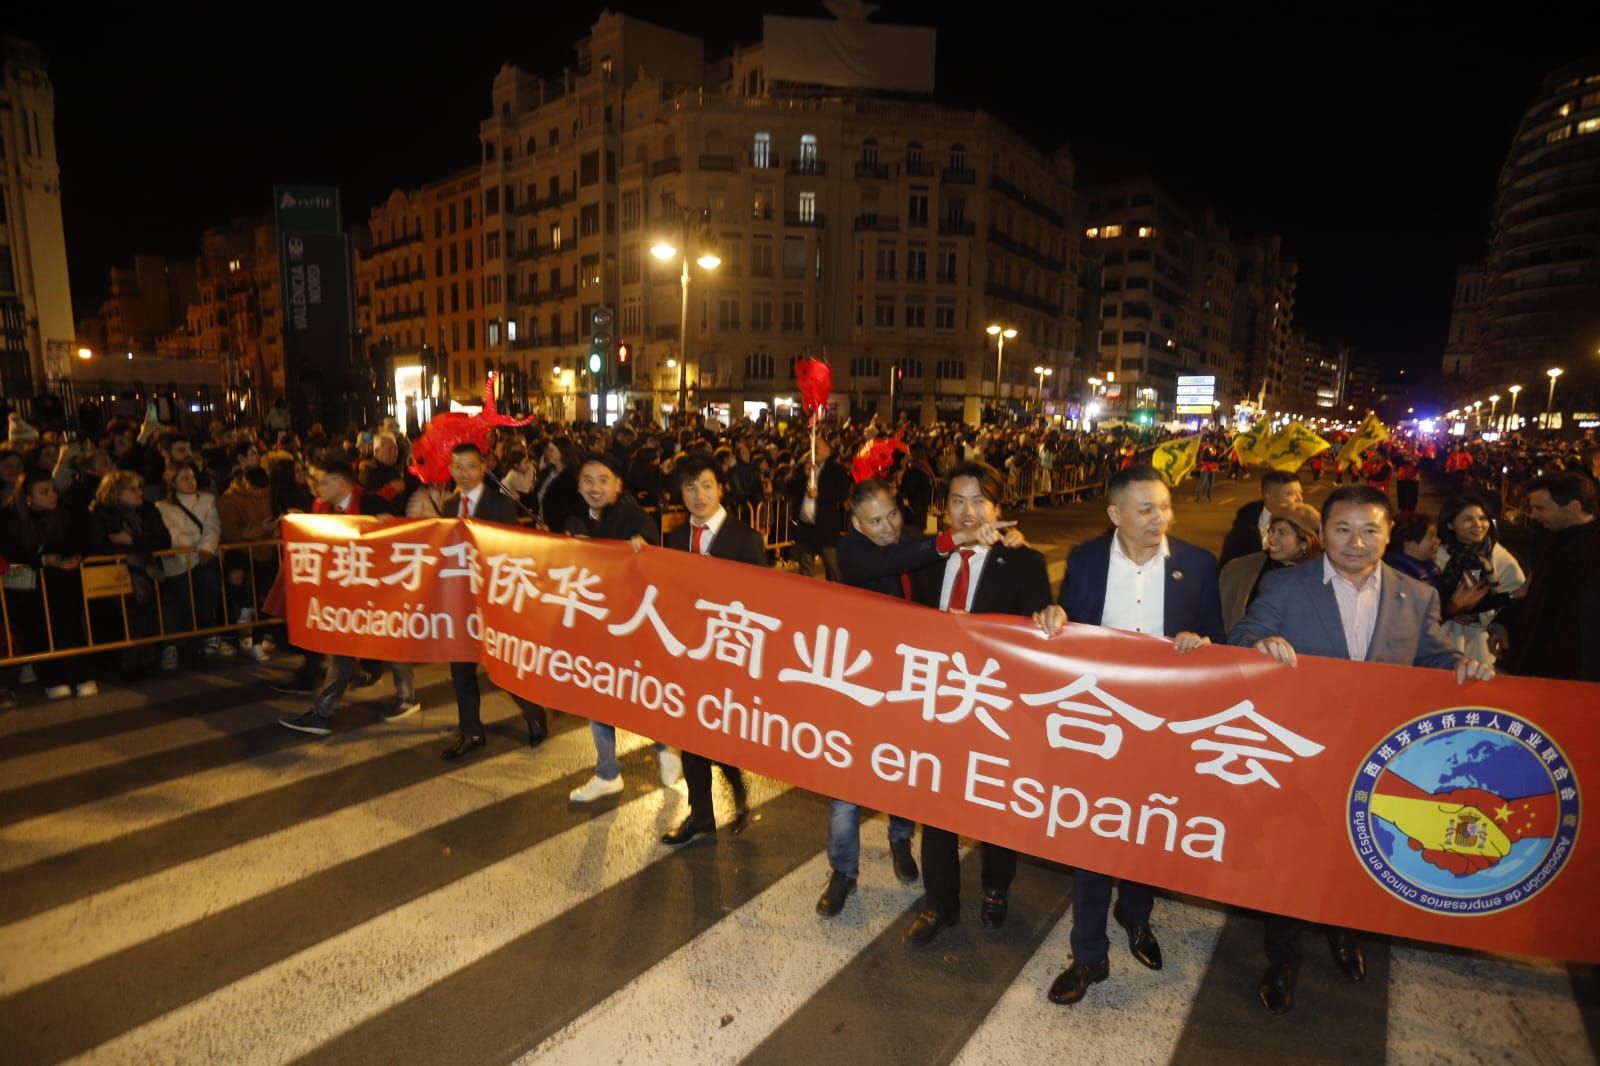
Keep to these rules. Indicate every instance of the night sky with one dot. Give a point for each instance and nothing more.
(1370, 140)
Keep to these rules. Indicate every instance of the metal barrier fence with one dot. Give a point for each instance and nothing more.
(123, 593)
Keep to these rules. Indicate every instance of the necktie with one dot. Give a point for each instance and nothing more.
(905, 586)
(466, 507)
(695, 530)
(958, 591)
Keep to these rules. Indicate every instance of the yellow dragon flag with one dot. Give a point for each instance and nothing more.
(1251, 445)
(1369, 435)
(1291, 446)
(1174, 459)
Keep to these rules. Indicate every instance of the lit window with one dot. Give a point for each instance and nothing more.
(1111, 231)
(511, 330)
(808, 207)
(1146, 232)
(1560, 134)
(1564, 110)
(761, 152)
(1588, 125)
(1092, 232)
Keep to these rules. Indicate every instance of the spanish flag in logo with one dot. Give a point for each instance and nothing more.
(1464, 830)
(1369, 435)
(1291, 446)
(1175, 459)
(1251, 445)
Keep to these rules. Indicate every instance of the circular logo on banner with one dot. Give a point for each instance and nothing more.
(1466, 811)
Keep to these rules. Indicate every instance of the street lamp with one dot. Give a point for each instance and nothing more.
(1477, 416)
(1550, 403)
(1511, 415)
(1494, 402)
(1043, 372)
(1001, 334)
(708, 260)
(85, 353)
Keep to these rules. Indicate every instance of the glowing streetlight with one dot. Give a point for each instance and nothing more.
(85, 353)
(1001, 334)
(1494, 402)
(1043, 372)
(708, 260)
(1550, 403)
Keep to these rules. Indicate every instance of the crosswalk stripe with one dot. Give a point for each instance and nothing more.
(728, 1016)
(937, 995)
(1486, 1010)
(296, 757)
(55, 942)
(1025, 1026)
(287, 1009)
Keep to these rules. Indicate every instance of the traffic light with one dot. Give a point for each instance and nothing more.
(600, 341)
(622, 366)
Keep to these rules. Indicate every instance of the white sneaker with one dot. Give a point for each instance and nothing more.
(671, 767)
(595, 788)
(247, 614)
(212, 644)
(399, 711)
(266, 644)
(258, 653)
(58, 692)
(169, 658)
(88, 688)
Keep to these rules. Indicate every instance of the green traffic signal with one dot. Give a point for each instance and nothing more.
(594, 362)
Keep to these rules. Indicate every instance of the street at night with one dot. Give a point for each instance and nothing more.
(186, 882)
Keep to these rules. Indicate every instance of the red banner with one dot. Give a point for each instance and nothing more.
(1373, 797)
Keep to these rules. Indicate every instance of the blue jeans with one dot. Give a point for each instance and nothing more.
(844, 836)
(606, 766)
(343, 671)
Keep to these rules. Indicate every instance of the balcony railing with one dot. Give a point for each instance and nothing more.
(956, 227)
(959, 176)
(1001, 292)
(807, 166)
(1005, 188)
(918, 169)
(877, 222)
(719, 162)
(878, 171)
(670, 165)
(794, 218)
(665, 333)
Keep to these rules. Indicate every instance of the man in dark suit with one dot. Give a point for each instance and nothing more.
(916, 488)
(817, 496)
(1137, 579)
(475, 500)
(712, 531)
(1280, 492)
(977, 580)
(339, 493)
(1350, 606)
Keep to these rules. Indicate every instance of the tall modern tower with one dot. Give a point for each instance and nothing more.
(36, 324)
(1541, 305)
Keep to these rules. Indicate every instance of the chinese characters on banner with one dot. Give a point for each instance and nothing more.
(1301, 791)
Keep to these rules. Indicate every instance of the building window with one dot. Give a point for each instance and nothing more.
(630, 264)
(865, 366)
(958, 157)
(917, 209)
(511, 331)
(950, 370)
(916, 265)
(1559, 134)
(808, 206)
(1146, 232)
(1111, 232)
(491, 246)
(808, 151)
(761, 150)
(916, 316)
(759, 366)
(491, 196)
(869, 152)
(883, 314)
(630, 210)
(761, 258)
(555, 236)
(632, 317)
(455, 296)
(761, 315)
(728, 313)
(794, 258)
(909, 367)
(472, 337)
(886, 263)
(794, 312)
(914, 153)
(589, 220)
(1588, 125)
(492, 334)
(944, 318)
(947, 266)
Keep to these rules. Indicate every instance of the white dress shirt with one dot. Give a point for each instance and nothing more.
(713, 525)
(1358, 607)
(473, 498)
(1265, 524)
(1136, 594)
(952, 567)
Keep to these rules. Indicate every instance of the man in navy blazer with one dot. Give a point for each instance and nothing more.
(1139, 579)
(1351, 605)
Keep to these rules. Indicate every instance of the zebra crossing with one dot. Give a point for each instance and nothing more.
(181, 880)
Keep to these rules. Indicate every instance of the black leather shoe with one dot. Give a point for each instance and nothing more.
(538, 726)
(905, 867)
(1349, 956)
(537, 737)
(364, 679)
(1075, 980)
(463, 746)
(1276, 990)
(925, 926)
(1141, 941)
(834, 893)
(992, 915)
(687, 832)
(741, 820)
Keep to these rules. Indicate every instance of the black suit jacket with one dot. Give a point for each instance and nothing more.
(493, 506)
(1245, 536)
(735, 541)
(865, 565)
(1013, 581)
(833, 488)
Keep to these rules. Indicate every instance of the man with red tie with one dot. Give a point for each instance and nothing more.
(713, 532)
(475, 500)
(879, 556)
(977, 580)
